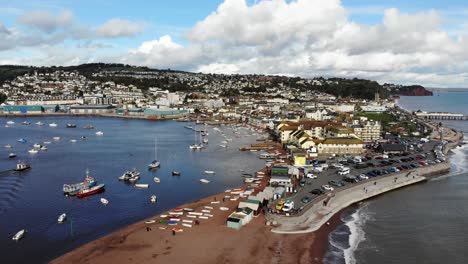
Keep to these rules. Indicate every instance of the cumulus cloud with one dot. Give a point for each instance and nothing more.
(313, 37)
(119, 28)
(292, 37)
(46, 21)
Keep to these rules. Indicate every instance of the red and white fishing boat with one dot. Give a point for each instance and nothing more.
(90, 191)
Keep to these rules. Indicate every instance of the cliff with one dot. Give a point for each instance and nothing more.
(414, 90)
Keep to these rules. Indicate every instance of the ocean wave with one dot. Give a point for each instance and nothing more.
(458, 159)
(345, 239)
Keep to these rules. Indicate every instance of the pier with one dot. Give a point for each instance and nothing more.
(441, 116)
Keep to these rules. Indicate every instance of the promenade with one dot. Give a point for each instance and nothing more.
(323, 209)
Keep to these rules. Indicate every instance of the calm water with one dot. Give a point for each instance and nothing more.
(425, 223)
(33, 200)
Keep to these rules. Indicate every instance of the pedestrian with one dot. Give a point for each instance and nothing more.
(224, 198)
(375, 183)
(147, 229)
(215, 198)
(173, 232)
(366, 190)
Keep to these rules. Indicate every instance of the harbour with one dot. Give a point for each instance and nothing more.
(125, 144)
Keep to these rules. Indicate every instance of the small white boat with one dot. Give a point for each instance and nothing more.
(37, 145)
(44, 148)
(12, 155)
(209, 172)
(153, 199)
(56, 138)
(142, 185)
(26, 123)
(104, 201)
(33, 151)
(223, 146)
(8, 146)
(204, 181)
(62, 218)
(205, 140)
(9, 122)
(152, 221)
(156, 180)
(19, 235)
(53, 125)
(72, 140)
(223, 208)
(99, 133)
(46, 142)
(39, 123)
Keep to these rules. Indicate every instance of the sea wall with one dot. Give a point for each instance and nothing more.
(318, 213)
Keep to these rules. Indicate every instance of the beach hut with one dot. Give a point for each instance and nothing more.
(234, 222)
(241, 217)
(251, 204)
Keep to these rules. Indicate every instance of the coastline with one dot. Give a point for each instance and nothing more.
(254, 243)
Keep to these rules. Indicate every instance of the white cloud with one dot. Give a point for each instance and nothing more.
(302, 37)
(46, 21)
(119, 28)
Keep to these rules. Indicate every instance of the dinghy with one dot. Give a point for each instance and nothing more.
(19, 235)
(62, 218)
(104, 201)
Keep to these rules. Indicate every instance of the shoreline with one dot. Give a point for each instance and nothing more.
(253, 243)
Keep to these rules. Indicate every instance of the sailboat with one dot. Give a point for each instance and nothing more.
(155, 163)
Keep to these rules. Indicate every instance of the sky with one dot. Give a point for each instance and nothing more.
(399, 41)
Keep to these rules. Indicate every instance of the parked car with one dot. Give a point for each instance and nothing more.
(302, 182)
(363, 177)
(305, 199)
(350, 179)
(316, 191)
(311, 176)
(280, 204)
(327, 187)
(288, 206)
(336, 183)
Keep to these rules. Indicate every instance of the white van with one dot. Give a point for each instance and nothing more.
(288, 206)
(344, 171)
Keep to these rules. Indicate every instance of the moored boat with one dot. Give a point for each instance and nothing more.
(19, 235)
(22, 140)
(44, 148)
(104, 201)
(175, 173)
(154, 164)
(153, 198)
(209, 172)
(156, 180)
(204, 181)
(88, 127)
(33, 151)
(70, 126)
(8, 146)
(62, 218)
(142, 185)
(73, 189)
(37, 145)
(56, 138)
(99, 133)
(90, 191)
(53, 125)
(39, 123)
(10, 122)
(12, 155)
(26, 123)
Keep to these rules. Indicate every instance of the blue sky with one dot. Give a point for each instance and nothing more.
(394, 41)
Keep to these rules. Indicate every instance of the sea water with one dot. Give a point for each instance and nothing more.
(33, 200)
(424, 223)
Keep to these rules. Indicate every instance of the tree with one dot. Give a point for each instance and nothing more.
(3, 98)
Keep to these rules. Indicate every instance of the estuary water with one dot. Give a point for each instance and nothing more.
(33, 200)
(424, 223)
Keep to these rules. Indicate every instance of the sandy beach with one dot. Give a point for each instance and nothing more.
(209, 242)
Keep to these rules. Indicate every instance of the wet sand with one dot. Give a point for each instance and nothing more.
(209, 242)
